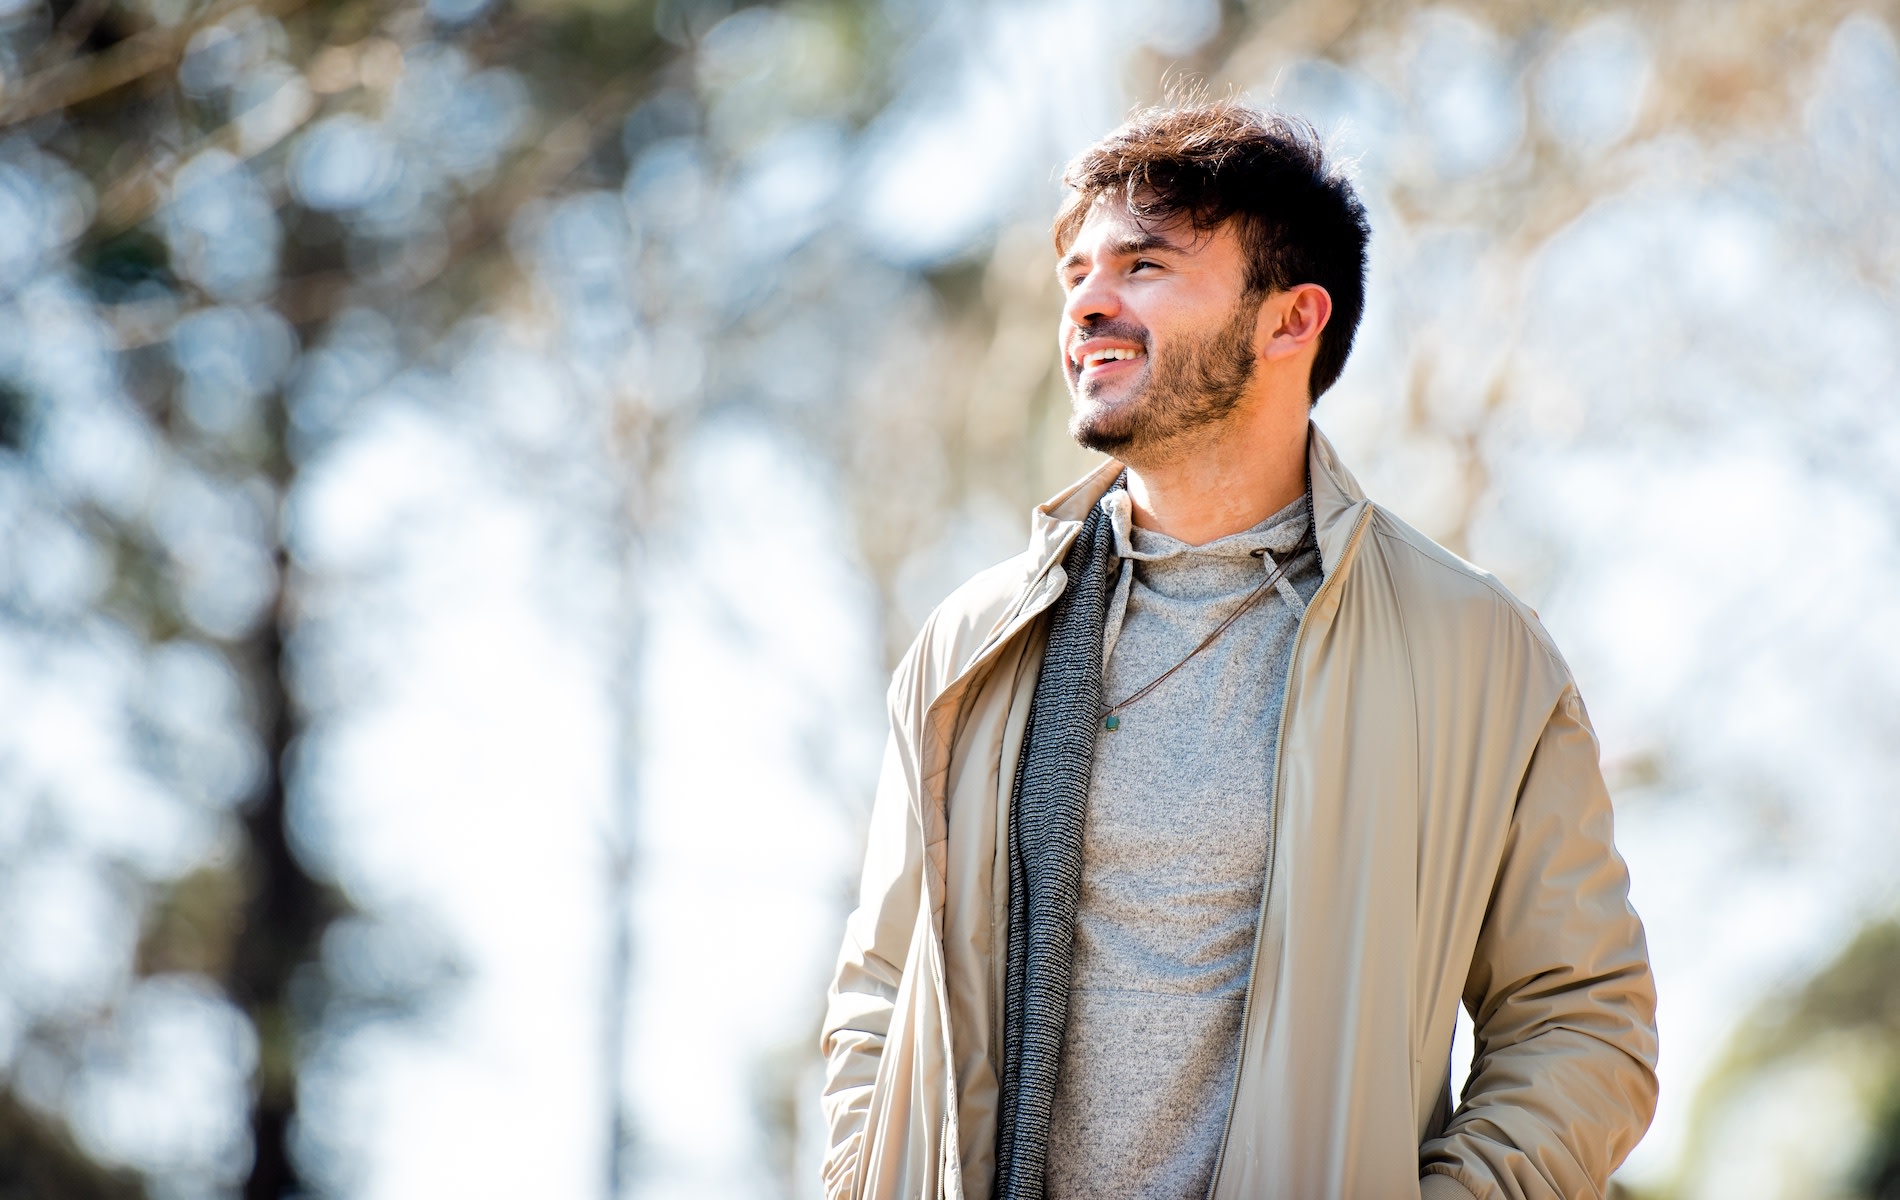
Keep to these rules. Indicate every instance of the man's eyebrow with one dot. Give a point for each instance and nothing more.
(1127, 244)
(1141, 243)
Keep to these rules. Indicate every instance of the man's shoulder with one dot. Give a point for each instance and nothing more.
(971, 617)
(986, 598)
(1441, 591)
(965, 620)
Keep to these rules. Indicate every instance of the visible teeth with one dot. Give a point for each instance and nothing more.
(1097, 357)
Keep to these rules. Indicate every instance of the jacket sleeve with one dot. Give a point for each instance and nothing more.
(1563, 1082)
(864, 987)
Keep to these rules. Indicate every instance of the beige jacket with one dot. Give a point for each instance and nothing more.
(1440, 832)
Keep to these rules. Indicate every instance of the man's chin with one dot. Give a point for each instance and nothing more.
(1103, 430)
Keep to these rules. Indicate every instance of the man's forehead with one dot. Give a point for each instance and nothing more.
(1109, 214)
(1111, 229)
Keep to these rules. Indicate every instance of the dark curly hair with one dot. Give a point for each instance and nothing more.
(1297, 217)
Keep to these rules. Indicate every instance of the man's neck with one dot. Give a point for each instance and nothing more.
(1239, 475)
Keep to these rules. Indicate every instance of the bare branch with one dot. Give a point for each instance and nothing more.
(129, 61)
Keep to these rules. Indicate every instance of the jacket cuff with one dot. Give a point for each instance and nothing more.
(1440, 1186)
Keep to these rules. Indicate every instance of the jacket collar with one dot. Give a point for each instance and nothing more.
(1337, 500)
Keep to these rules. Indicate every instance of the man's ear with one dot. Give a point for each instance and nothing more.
(1293, 319)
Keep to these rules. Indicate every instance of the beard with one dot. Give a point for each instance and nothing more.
(1196, 385)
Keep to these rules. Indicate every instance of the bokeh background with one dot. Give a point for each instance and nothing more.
(466, 467)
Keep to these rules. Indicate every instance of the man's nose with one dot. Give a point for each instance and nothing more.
(1092, 300)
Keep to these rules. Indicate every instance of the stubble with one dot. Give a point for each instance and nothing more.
(1188, 389)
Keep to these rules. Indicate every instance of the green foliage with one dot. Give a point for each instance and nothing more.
(1855, 994)
(1857, 991)
(1854, 998)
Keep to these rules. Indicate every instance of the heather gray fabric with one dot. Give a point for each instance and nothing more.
(1045, 859)
(1174, 853)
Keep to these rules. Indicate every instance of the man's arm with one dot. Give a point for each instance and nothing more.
(864, 987)
(1564, 1079)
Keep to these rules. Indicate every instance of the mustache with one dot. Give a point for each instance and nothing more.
(1127, 331)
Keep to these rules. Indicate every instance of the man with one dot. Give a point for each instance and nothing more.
(1199, 818)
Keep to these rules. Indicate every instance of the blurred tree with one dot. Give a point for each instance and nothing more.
(197, 229)
(201, 190)
(1879, 1174)
(38, 1162)
(1848, 1012)
(227, 229)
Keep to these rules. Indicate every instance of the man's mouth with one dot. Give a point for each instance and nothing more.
(1105, 358)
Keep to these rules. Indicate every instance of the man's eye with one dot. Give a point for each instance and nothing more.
(1144, 262)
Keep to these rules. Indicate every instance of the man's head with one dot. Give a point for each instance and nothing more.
(1198, 242)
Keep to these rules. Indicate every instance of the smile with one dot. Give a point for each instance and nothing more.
(1096, 358)
(1105, 357)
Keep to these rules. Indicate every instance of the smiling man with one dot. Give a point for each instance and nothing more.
(1201, 817)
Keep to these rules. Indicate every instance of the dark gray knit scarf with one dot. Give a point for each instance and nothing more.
(1045, 858)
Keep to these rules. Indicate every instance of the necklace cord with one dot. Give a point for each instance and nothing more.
(1254, 597)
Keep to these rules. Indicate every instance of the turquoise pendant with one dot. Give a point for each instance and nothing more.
(1111, 722)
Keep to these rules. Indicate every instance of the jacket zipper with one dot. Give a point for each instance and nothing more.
(1273, 841)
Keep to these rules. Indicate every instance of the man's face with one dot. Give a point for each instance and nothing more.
(1158, 331)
